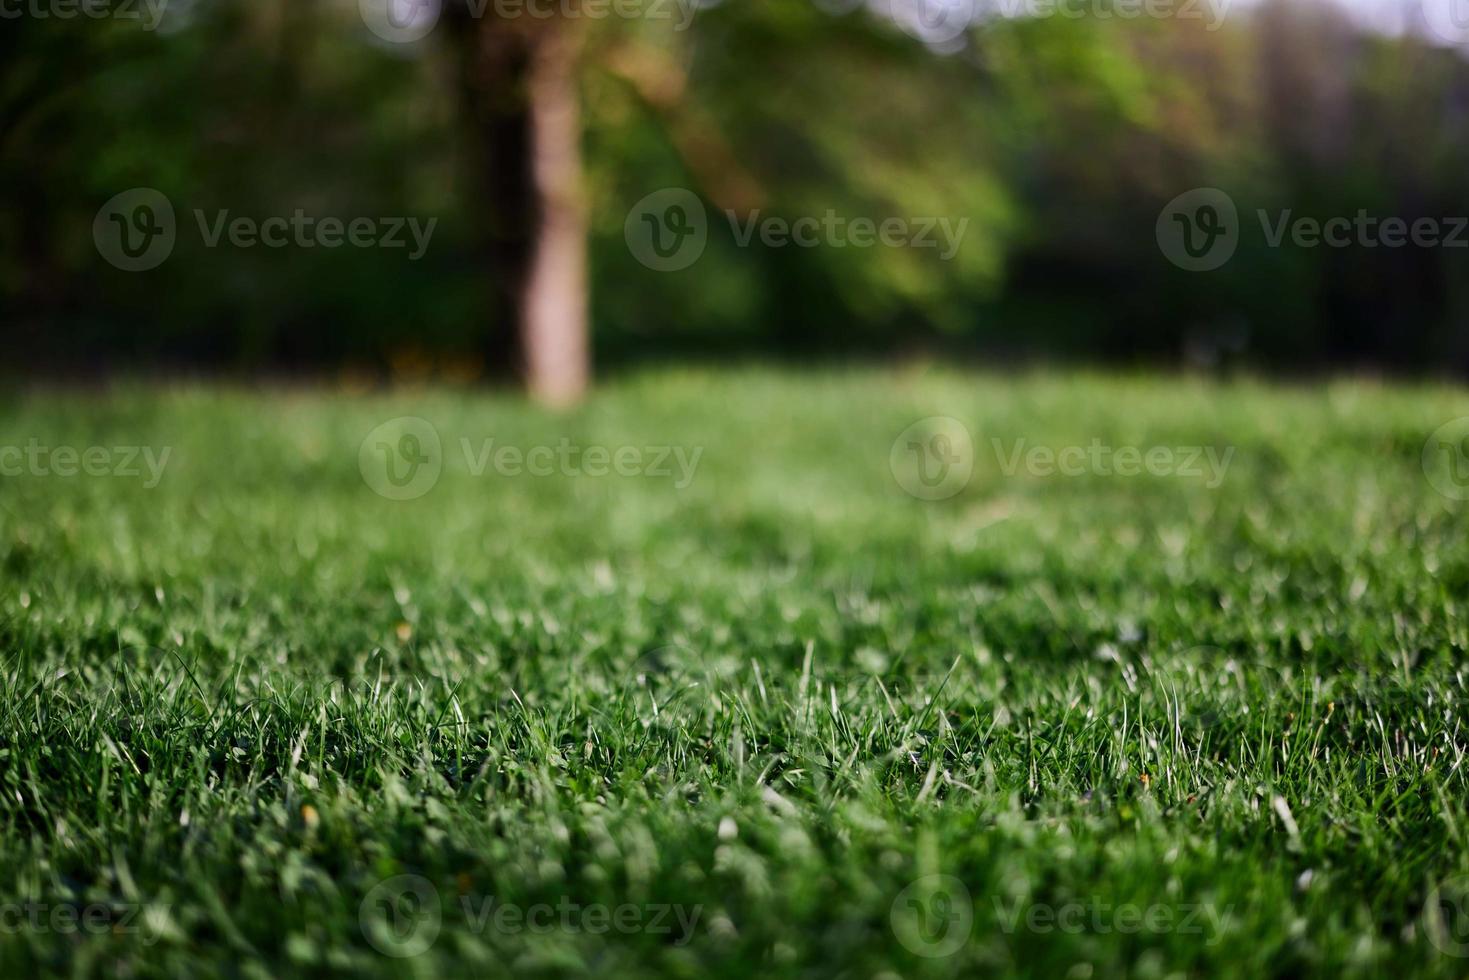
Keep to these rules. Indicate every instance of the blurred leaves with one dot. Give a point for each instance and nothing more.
(1057, 139)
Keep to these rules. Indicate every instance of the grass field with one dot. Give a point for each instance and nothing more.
(754, 709)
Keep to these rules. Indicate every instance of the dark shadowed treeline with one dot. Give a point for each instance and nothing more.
(1055, 141)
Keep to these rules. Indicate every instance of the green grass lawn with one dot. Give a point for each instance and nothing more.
(758, 711)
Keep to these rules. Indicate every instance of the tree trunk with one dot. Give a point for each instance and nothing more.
(553, 304)
(518, 90)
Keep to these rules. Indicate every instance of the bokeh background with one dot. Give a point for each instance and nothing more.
(1059, 138)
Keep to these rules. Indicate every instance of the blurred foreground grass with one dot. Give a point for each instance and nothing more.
(767, 713)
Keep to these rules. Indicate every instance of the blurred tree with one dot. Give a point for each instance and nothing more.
(529, 138)
(518, 79)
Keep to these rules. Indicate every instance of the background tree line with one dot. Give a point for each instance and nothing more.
(1058, 139)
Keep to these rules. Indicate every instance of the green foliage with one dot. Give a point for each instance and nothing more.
(1057, 140)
